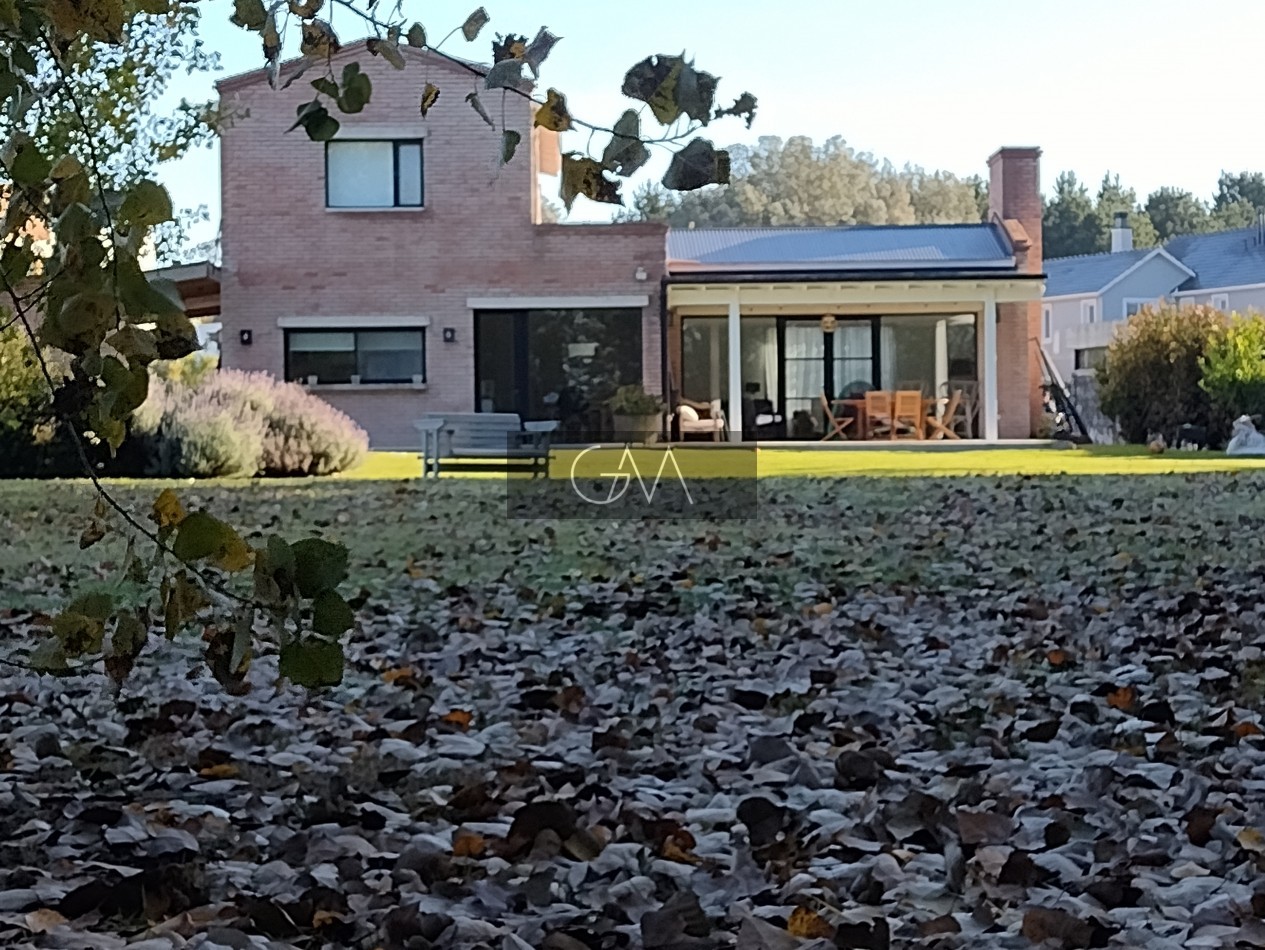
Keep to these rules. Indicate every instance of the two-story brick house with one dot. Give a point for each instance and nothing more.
(400, 268)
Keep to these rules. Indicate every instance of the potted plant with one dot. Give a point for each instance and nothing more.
(637, 415)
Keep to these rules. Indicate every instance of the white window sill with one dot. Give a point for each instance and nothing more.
(364, 387)
(407, 209)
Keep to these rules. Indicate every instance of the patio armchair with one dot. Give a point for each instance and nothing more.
(701, 418)
(907, 414)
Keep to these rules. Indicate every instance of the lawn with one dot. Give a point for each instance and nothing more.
(991, 709)
(779, 462)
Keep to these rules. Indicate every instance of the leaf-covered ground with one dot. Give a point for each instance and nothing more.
(908, 712)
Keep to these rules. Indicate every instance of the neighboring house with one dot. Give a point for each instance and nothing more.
(1089, 296)
(398, 270)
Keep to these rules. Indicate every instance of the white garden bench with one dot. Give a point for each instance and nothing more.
(483, 441)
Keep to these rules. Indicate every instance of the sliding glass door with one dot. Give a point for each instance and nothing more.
(556, 364)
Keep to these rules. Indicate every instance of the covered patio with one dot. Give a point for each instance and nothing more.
(845, 334)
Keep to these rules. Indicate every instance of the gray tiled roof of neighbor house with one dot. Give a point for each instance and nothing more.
(1088, 273)
(1225, 259)
(941, 247)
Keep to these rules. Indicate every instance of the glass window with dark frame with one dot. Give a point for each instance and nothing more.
(375, 356)
(374, 174)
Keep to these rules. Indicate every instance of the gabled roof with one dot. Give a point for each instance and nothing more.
(358, 48)
(939, 248)
(1226, 259)
(1089, 273)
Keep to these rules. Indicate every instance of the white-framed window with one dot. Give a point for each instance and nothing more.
(1047, 321)
(1132, 305)
(1089, 311)
(395, 355)
(374, 174)
(1221, 302)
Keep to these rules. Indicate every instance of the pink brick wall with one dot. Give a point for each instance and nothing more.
(285, 255)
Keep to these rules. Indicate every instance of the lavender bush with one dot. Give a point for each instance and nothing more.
(233, 424)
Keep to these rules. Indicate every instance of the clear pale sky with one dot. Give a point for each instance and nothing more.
(1163, 92)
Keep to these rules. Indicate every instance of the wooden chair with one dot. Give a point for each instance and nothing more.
(701, 418)
(878, 412)
(834, 424)
(968, 410)
(907, 413)
(941, 426)
(911, 384)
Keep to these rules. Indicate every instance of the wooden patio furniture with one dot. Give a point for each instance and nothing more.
(701, 418)
(965, 423)
(941, 426)
(835, 425)
(907, 413)
(878, 413)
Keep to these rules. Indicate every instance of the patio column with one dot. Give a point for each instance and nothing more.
(989, 407)
(735, 370)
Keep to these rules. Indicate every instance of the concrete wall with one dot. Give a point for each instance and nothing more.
(286, 255)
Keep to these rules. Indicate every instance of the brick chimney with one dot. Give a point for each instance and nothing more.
(1014, 202)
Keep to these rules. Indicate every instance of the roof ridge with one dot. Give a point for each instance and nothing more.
(834, 227)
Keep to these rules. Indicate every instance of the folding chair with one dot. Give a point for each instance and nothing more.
(878, 410)
(941, 426)
(834, 425)
(907, 412)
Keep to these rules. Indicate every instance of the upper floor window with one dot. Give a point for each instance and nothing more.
(1221, 302)
(1089, 311)
(365, 174)
(371, 356)
(1046, 321)
(1132, 306)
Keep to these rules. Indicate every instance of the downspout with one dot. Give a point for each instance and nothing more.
(664, 377)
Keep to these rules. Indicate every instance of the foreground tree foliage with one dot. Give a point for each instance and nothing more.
(77, 80)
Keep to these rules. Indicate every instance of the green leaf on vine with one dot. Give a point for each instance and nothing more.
(182, 599)
(319, 565)
(744, 106)
(201, 536)
(319, 125)
(312, 663)
(582, 175)
(509, 143)
(553, 113)
(146, 204)
(430, 95)
(26, 163)
(250, 14)
(699, 163)
(507, 74)
(416, 36)
(475, 22)
(477, 106)
(356, 89)
(274, 572)
(625, 153)
(539, 49)
(331, 616)
(672, 87)
(307, 9)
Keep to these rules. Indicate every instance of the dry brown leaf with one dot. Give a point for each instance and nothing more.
(412, 570)
(1057, 657)
(672, 851)
(223, 770)
(1250, 839)
(397, 674)
(467, 844)
(808, 923)
(1244, 729)
(43, 920)
(1124, 698)
(460, 718)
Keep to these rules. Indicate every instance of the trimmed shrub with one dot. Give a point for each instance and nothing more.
(1234, 371)
(234, 424)
(33, 443)
(1150, 381)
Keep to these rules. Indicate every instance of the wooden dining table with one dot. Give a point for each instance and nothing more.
(863, 418)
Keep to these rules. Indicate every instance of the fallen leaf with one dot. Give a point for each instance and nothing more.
(808, 923)
(460, 718)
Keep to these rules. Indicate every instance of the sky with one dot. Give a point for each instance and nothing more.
(1162, 92)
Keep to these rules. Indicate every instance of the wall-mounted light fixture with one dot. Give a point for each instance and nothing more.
(450, 334)
(246, 337)
(828, 323)
(640, 273)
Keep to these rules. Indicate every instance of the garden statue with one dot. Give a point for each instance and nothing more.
(1245, 440)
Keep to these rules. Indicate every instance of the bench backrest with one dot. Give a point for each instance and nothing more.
(479, 430)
